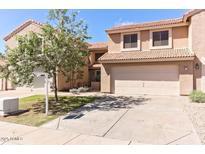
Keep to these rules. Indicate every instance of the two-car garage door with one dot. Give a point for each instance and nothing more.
(145, 79)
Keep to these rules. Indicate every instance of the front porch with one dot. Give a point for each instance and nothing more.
(94, 79)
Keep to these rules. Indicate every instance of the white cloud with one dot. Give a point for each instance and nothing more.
(122, 23)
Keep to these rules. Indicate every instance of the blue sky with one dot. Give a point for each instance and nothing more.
(97, 20)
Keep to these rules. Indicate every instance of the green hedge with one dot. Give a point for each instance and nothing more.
(197, 96)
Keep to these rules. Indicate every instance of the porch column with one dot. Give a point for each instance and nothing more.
(105, 78)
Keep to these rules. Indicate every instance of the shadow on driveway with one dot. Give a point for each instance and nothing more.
(108, 103)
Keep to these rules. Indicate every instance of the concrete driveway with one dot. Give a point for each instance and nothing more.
(136, 120)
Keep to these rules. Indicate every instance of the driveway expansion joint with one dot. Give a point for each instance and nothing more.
(72, 139)
(115, 123)
(130, 142)
(58, 124)
(179, 138)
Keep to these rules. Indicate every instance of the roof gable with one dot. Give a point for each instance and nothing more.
(21, 27)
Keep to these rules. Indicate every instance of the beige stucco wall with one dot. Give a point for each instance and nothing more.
(91, 58)
(197, 43)
(62, 83)
(145, 43)
(185, 76)
(179, 39)
(114, 41)
(12, 43)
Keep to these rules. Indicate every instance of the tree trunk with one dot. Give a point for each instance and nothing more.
(6, 85)
(2, 84)
(55, 86)
(72, 86)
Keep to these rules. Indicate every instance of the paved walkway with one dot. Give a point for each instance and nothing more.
(20, 93)
(20, 134)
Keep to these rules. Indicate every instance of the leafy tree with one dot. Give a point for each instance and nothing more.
(60, 48)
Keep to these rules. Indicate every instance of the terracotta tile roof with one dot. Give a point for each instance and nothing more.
(147, 55)
(21, 27)
(155, 24)
(148, 24)
(98, 45)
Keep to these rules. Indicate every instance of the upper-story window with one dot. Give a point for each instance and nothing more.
(161, 39)
(130, 41)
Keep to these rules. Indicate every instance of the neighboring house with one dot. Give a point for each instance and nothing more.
(91, 72)
(159, 58)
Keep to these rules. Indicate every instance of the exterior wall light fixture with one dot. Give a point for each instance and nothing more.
(185, 68)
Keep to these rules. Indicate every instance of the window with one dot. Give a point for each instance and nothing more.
(130, 41)
(98, 55)
(94, 75)
(160, 38)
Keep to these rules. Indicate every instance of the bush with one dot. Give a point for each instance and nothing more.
(74, 90)
(197, 96)
(83, 89)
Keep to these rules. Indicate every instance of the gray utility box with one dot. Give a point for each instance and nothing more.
(8, 105)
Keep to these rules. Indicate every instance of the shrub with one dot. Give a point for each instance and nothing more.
(197, 96)
(74, 90)
(83, 89)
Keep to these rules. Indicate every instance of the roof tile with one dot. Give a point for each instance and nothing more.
(98, 45)
(148, 24)
(147, 55)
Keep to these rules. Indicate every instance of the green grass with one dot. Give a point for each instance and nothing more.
(35, 106)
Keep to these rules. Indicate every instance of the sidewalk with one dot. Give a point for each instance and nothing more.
(19, 134)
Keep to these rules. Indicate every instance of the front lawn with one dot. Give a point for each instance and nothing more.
(34, 107)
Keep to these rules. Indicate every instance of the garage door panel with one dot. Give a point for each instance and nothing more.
(147, 77)
(155, 80)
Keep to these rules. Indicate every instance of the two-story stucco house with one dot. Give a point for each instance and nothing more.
(91, 72)
(158, 58)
